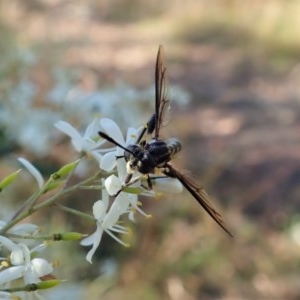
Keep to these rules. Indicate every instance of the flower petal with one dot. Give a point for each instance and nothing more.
(131, 136)
(25, 229)
(97, 239)
(17, 257)
(122, 169)
(11, 273)
(119, 207)
(33, 171)
(92, 129)
(7, 243)
(69, 130)
(112, 129)
(89, 240)
(41, 267)
(108, 161)
(99, 210)
(97, 156)
(38, 248)
(113, 185)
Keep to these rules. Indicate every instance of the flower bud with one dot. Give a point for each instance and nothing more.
(42, 285)
(8, 180)
(68, 236)
(65, 170)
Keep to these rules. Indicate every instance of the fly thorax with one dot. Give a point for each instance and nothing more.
(147, 164)
(158, 153)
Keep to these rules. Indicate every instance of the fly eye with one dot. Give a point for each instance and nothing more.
(127, 156)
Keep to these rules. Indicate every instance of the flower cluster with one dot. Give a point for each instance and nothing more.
(112, 160)
(119, 198)
(20, 243)
(22, 262)
(106, 217)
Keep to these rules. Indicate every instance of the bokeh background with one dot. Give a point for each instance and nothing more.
(234, 72)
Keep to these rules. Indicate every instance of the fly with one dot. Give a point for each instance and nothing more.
(148, 157)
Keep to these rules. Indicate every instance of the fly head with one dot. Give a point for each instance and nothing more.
(139, 160)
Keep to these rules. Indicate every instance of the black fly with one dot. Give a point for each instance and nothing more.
(147, 157)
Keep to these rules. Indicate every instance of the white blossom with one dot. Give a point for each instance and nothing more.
(110, 159)
(104, 222)
(125, 201)
(31, 270)
(22, 230)
(88, 143)
(25, 229)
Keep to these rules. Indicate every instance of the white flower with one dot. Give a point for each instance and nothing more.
(105, 221)
(120, 205)
(33, 171)
(113, 185)
(110, 159)
(22, 265)
(88, 142)
(124, 202)
(21, 228)
(24, 230)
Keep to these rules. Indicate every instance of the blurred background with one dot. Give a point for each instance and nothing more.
(233, 68)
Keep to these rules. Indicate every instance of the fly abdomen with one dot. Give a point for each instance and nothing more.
(174, 146)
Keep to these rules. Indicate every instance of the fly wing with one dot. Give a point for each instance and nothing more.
(162, 101)
(199, 194)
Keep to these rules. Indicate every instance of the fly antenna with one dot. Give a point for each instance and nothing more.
(110, 139)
